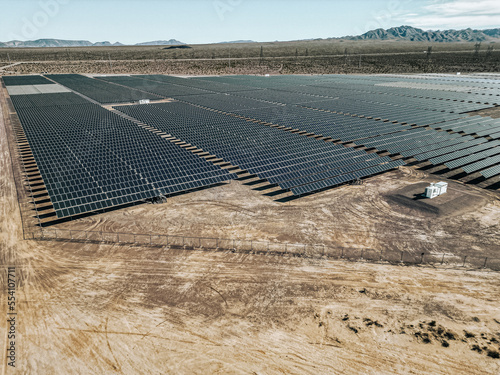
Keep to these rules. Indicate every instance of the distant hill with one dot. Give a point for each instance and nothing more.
(48, 43)
(170, 42)
(413, 34)
(403, 33)
(41, 43)
(238, 41)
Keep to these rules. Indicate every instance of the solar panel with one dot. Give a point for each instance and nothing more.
(262, 150)
(25, 80)
(466, 150)
(491, 172)
(102, 92)
(489, 148)
(91, 159)
(477, 166)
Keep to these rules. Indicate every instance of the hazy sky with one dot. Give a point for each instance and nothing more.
(207, 21)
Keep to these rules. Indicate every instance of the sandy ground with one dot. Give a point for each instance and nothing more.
(102, 309)
(492, 112)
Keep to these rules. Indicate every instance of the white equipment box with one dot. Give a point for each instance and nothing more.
(435, 190)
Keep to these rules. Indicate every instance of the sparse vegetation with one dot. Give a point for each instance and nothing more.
(303, 57)
(493, 354)
(469, 335)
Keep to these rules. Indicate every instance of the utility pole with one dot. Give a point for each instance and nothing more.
(229, 59)
(360, 61)
(110, 65)
(477, 47)
(8, 56)
(261, 55)
(489, 52)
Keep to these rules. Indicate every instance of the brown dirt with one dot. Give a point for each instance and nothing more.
(490, 112)
(94, 309)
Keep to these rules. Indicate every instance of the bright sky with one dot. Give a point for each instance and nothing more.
(209, 21)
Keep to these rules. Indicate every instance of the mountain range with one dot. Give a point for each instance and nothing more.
(402, 33)
(40, 43)
(409, 33)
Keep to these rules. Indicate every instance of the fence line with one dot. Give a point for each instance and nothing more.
(268, 248)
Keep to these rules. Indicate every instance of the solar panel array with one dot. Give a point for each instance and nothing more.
(476, 125)
(92, 159)
(345, 108)
(99, 91)
(212, 86)
(288, 160)
(163, 89)
(300, 103)
(25, 80)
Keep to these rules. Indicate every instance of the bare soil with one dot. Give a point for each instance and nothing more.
(490, 112)
(102, 309)
(300, 57)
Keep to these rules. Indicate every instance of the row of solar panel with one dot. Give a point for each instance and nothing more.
(305, 189)
(491, 172)
(102, 92)
(266, 111)
(25, 80)
(259, 107)
(91, 158)
(410, 143)
(482, 126)
(260, 149)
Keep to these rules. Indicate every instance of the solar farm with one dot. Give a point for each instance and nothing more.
(96, 148)
(227, 224)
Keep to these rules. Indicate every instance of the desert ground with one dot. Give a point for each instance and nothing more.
(116, 309)
(298, 57)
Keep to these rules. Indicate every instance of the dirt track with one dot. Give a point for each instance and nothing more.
(89, 309)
